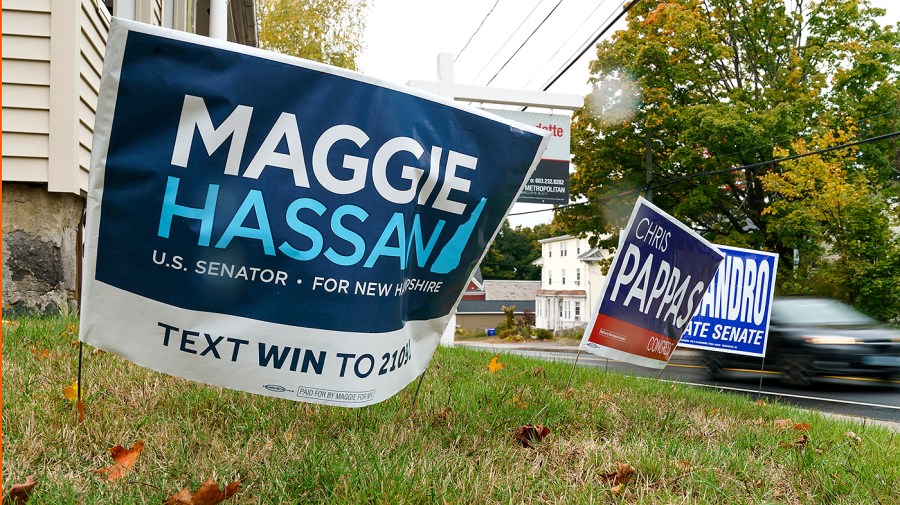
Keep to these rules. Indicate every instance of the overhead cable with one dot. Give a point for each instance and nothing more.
(491, 60)
(476, 31)
(588, 46)
(538, 27)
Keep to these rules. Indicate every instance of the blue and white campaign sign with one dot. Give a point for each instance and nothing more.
(655, 285)
(282, 227)
(734, 313)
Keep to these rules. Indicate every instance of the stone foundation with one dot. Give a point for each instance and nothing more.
(40, 253)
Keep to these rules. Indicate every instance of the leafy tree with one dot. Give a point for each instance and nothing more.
(327, 31)
(513, 251)
(716, 85)
(827, 211)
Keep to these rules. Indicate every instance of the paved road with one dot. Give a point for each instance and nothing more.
(875, 401)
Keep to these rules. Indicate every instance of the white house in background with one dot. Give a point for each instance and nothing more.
(571, 281)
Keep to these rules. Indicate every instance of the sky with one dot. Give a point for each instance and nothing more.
(486, 37)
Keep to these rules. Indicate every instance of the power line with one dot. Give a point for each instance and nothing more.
(586, 19)
(476, 31)
(507, 41)
(588, 46)
(526, 41)
(714, 172)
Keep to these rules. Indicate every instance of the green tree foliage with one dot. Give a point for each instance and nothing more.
(709, 85)
(513, 251)
(827, 211)
(327, 31)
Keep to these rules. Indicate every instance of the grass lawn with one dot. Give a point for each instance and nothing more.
(455, 445)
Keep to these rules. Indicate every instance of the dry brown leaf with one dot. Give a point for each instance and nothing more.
(620, 476)
(799, 444)
(783, 424)
(853, 436)
(538, 370)
(684, 466)
(19, 493)
(761, 403)
(40, 353)
(208, 494)
(495, 365)
(714, 411)
(79, 407)
(616, 489)
(802, 427)
(529, 433)
(124, 461)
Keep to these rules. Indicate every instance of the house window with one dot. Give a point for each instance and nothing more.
(560, 306)
(562, 249)
(564, 276)
(578, 247)
(549, 250)
(549, 277)
(578, 310)
(578, 277)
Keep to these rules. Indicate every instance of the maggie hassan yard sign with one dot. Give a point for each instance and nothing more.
(282, 227)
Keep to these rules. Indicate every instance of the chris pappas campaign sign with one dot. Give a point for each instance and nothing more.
(282, 227)
(734, 313)
(655, 285)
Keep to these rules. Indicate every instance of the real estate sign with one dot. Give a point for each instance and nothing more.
(550, 182)
(655, 285)
(282, 227)
(734, 313)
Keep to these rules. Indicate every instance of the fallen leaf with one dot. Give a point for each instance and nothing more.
(616, 489)
(530, 433)
(620, 476)
(783, 424)
(802, 427)
(71, 392)
(40, 353)
(124, 459)
(79, 407)
(799, 444)
(538, 370)
(853, 436)
(819, 450)
(19, 493)
(714, 411)
(760, 403)
(495, 365)
(759, 483)
(208, 494)
(98, 352)
(684, 466)
(519, 402)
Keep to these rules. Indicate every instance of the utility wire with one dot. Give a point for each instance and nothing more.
(526, 41)
(476, 31)
(714, 172)
(586, 19)
(507, 41)
(588, 46)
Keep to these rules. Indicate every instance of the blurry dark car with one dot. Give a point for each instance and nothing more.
(813, 338)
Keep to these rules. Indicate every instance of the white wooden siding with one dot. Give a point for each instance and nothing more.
(94, 32)
(26, 90)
